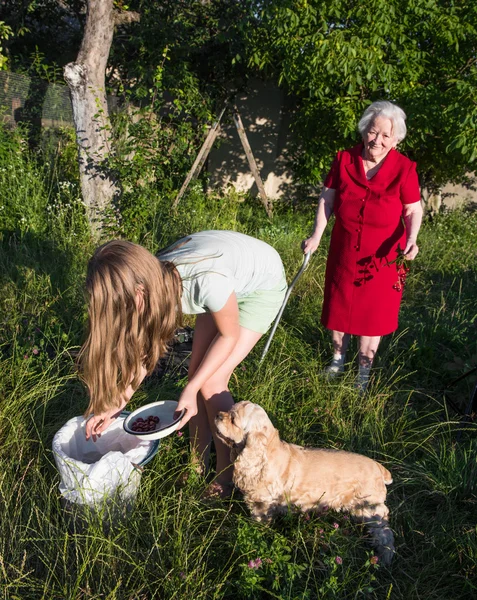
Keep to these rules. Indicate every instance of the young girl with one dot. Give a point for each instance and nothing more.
(234, 283)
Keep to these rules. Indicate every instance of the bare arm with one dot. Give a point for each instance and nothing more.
(323, 213)
(412, 214)
(98, 423)
(228, 327)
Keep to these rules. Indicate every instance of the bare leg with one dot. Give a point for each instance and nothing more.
(199, 429)
(340, 345)
(368, 346)
(340, 341)
(218, 398)
(214, 395)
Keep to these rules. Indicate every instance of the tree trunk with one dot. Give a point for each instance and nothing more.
(86, 80)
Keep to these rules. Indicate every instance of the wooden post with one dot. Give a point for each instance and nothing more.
(251, 161)
(201, 157)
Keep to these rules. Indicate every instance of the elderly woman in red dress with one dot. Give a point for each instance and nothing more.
(373, 191)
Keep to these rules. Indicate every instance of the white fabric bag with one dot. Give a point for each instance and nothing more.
(92, 472)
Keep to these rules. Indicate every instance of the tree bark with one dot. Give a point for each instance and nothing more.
(86, 80)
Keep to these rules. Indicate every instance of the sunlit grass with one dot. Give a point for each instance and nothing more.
(172, 544)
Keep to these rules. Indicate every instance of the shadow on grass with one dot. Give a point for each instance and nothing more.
(35, 266)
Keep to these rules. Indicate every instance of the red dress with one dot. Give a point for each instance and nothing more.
(359, 295)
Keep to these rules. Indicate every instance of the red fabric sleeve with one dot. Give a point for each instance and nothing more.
(332, 179)
(410, 190)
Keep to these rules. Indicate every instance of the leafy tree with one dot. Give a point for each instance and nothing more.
(174, 69)
(201, 37)
(86, 80)
(5, 33)
(337, 56)
(50, 29)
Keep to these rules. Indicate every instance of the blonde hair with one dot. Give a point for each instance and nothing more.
(122, 337)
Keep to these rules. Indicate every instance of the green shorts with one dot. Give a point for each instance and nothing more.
(258, 310)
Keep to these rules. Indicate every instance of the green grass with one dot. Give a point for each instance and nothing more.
(172, 544)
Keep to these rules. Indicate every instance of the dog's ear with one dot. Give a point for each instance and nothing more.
(253, 416)
(250, 461)
(250, 467)
(253, 445)
(256, 441)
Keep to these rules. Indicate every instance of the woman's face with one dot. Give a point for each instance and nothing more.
(379, 139)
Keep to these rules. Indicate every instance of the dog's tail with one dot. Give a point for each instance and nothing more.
(388, 478)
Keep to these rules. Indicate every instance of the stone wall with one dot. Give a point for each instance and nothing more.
(265, 119)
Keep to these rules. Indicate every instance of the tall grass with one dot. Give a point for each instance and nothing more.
(173, 544)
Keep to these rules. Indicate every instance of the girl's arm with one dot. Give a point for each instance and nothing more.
(98, 423)
(227, 323)
(412, 214)
(323, 213)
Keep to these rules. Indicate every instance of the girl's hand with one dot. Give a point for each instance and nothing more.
(188, 400)
(97, 423)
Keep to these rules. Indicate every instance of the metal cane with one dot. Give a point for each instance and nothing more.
(306, 260)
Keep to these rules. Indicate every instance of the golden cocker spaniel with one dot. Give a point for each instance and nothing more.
(274, 475)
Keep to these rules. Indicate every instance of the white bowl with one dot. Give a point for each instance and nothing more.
(164, 409)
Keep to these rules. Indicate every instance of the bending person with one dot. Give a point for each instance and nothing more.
(234, 283)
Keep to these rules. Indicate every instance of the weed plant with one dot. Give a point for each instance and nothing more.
(174, 545)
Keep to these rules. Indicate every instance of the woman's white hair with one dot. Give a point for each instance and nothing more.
(383, 108)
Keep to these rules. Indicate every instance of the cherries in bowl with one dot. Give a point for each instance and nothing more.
(145, 425)
(154, 421)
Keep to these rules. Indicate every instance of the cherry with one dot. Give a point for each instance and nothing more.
(141, 425)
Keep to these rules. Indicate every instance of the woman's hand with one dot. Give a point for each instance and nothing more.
(310, 244)
(188, 400)
(412, 214)
(97, 423)
(323, 213)
(411, 250)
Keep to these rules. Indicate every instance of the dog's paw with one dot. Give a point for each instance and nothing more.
(260, 512)
(384, 546)
(261, 517)
(385, 555)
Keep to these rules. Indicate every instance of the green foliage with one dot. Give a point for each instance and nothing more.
(153, 153)
(174, 69)
(23, 200)
(338, 56)
(199, 39)
(173, 73)
(39, 66)
(5, 33)
(42, 226)
(48, 28)
(268, 561)
(173, 544)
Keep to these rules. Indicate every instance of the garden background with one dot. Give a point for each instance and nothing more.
(173, 69)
